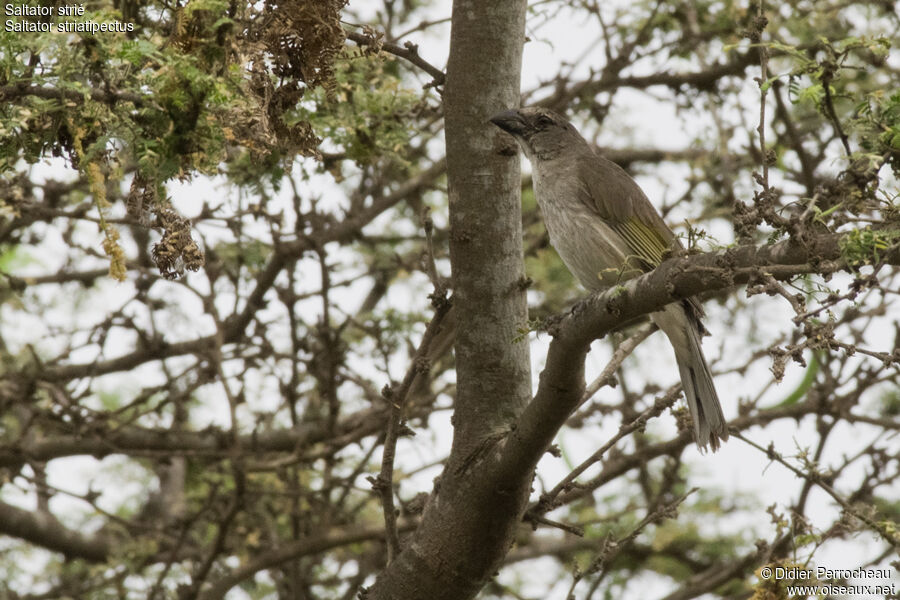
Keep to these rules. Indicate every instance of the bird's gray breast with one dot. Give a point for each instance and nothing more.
(594, 253)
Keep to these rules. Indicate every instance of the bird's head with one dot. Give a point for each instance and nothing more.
(541, 132)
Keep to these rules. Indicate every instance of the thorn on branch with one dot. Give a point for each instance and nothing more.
(379, 484)
(537, 519)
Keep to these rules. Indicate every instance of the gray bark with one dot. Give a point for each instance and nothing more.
(470, 520)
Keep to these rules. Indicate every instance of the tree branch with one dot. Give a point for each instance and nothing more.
(302, 547)
(237, 323)
(11, 92)
(408, 51)
(210, 442)
(562, 381)
(42, 529)
(384, 482)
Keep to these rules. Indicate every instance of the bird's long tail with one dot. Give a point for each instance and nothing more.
(683, 331)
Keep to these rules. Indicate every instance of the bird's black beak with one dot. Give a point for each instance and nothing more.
(510, 121)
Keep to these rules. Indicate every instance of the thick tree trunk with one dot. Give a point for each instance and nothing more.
(485, 221)
(469, 523)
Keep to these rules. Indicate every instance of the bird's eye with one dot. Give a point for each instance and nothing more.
(544, 121)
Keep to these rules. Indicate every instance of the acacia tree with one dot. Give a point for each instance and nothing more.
(236, 252)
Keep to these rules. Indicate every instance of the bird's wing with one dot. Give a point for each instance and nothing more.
(618, 199)
(629, 213)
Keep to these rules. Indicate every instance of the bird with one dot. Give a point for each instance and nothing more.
(606, 230)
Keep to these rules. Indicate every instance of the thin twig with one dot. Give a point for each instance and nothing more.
(827, 78)
(888, 535)
(547, 500)
(541, 520)
(622, 352)
(759, 26)
(384, 482)
(408, 51)
(611, 548)
(430, 265)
